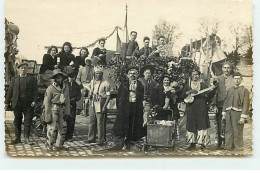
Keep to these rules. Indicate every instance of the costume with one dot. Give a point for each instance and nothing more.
(48, 63)
(85, 75)
(224, 83)
(100, 90)
(21, 93)
(74, 95)
(97, 51)
(57, 106)
(197, 114)
(129, 119)
(236, 106)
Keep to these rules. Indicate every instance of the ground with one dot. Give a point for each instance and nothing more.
(78, 148)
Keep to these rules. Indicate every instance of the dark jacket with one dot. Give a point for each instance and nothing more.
(65, 59)
(80, 61)
(48, 63)
(122, 123)
(159, 99)
(145, 51)
(74, 92)
(13, 91)
(97, 51)
(132, 48)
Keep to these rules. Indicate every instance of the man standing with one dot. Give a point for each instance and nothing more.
(74, 96)
(146, 50)
(225, 81)
(22, 94)
(132, 46)
(99, 94)
(149, 85)
(235, 111)
(128, 125)
(85, 75)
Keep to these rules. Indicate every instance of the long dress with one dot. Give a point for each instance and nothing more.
(197, 116)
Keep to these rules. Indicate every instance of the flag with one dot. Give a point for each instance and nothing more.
(125, 38)
(118, 42)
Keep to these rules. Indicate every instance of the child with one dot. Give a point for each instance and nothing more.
(235, 112)
(57, 108)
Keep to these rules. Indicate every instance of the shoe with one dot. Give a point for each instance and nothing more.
(69, 140)
(27, 141)
(49, 147)
(191, 147)
(100, 142)
(90, 141)
(61, 148)
(202, 147)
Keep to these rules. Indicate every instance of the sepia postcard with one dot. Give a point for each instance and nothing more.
(142, 79)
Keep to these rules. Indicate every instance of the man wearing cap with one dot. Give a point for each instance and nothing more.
(56, 106)
(99, 95)
(74, 94)
(85, 75)
(149, 85)
(128, 126)
(22, 94)
(235, 112)
(224, 82)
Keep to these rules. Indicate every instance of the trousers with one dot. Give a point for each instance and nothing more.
(71, 122)
(23, 110)
(218, 119)
(97, 125)
(234, 131)
(56, 130)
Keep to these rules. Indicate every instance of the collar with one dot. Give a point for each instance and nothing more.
(23, 76)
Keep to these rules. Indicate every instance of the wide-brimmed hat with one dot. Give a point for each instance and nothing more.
(56, 72)
(150, 67)
(22, 64)
(132, 68)
(70, 71)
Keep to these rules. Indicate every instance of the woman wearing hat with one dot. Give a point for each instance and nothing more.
(197, 112)
(57, 108)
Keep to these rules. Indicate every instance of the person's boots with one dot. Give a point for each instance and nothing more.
(26, 136)
(17, 133)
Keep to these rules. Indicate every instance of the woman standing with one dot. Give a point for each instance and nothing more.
(49, 60)
(197, 112)
(65, 57)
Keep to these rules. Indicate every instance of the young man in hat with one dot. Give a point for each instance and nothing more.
(74, 94)
(22, 94)
(128, 125)
(224, 82)
(235, 112)
(99, 94)
(85, 75)
(149, 85)
(56, 108)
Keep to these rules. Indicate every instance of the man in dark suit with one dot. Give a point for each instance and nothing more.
(22, 94)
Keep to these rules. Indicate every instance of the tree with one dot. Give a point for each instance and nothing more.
(168, 30)
(208, 26)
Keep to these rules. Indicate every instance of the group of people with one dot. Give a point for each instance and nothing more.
(136, 98)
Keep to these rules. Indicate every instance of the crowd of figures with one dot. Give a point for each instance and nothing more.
(137, 98)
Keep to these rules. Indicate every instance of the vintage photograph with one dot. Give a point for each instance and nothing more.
(128, 78)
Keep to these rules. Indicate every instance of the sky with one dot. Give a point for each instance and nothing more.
(81, 22)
